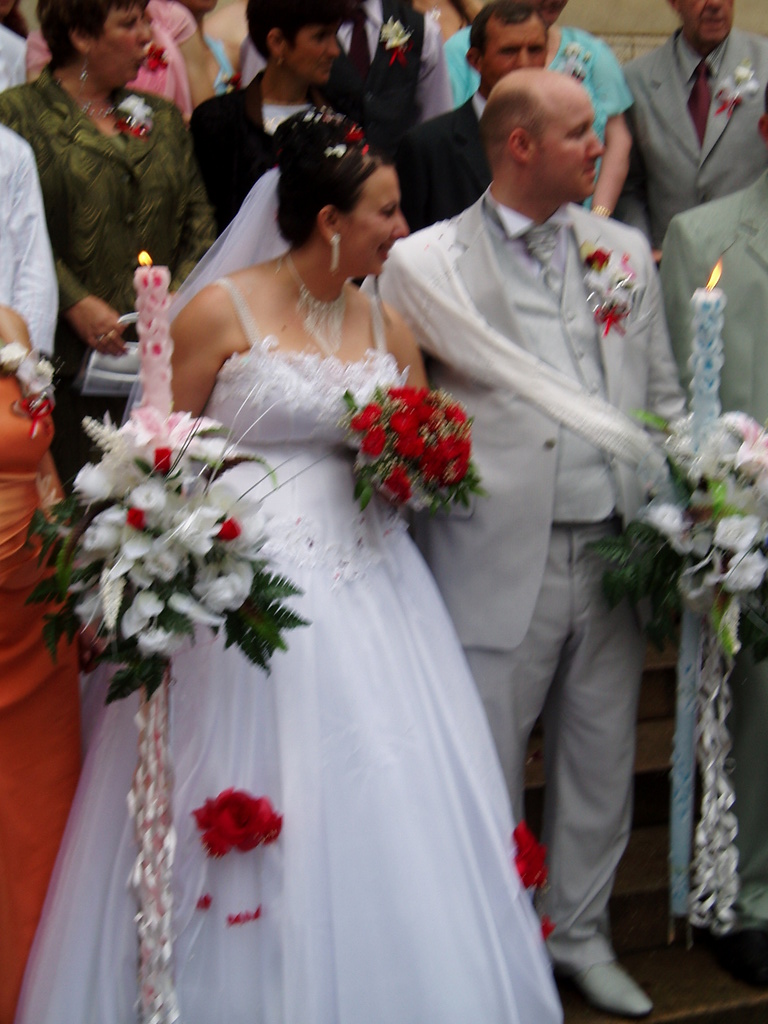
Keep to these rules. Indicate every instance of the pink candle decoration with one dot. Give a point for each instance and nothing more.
(155, 343)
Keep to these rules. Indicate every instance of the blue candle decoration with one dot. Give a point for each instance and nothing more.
(706, 362)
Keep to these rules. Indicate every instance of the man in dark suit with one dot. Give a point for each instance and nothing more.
(391, 72)
(441, 164)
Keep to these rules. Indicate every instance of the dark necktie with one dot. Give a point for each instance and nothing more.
(699, 100)
(359, 53)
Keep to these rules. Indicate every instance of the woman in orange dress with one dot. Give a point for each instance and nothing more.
(39, 705)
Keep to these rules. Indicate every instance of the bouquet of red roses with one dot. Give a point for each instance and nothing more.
(414, 445)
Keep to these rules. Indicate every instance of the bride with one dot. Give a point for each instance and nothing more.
(390, 895)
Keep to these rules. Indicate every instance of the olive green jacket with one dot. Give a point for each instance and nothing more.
(108, 198)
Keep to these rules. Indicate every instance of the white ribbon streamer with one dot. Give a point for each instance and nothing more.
(716, 857)
(149, 802)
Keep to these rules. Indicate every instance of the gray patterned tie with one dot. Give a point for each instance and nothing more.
(541, 241)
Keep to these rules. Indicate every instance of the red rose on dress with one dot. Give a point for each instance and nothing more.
(230, 530)
(397, 484)
(530, 858)
(366, 417)
(236, 819)
(374, 441)
(163, 460)
(136, 518)
(598, 259)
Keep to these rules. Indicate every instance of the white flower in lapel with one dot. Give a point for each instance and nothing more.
(576, 61)
(610, 286)
(743, 82)
(135, 116)
(397, 38)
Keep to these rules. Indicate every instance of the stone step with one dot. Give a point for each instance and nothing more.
(640, 901)
(686, 986)
(652, 763)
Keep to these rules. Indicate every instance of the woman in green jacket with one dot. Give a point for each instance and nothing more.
(118, 176)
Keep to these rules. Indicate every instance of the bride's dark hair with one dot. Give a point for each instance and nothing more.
(324, 160)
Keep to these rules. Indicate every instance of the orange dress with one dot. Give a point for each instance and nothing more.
(39, 708)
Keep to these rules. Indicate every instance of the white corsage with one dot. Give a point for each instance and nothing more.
(396, 38)
(743, 82)
(135, 116)
(610, 286)
(575, 61)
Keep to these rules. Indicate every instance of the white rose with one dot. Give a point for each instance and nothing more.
(101, 537)
(736, 533)
(11, 356)
(186, 605)
(227, 591)
(159, 641)
(669, 520)
(196, 530)
(162, 561)
(149, 497)
(746, 572)
(146, 606)
(92, 483)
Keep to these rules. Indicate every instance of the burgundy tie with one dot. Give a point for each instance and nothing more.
(359, 53)
(699, 100)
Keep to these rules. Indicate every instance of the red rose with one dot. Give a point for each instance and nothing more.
(354, 134)
(374, 441)
(230, 530)
(236, 819)
(163, 460)
(530, 858)
(410, 446)
(366, 417)
(405, 422)
(136, 518)
(598, 259)
(432, 463)
(547, 927)
(454, 413)
(398, 485)
(413, 396)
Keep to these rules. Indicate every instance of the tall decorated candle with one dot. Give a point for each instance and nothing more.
(706, 363)
(155, 343)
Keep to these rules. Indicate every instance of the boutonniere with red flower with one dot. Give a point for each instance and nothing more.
(134, 117)
(35, 376)
(233, 83)
(414, 446)
(742, 82)
(156, 58)
(397, 40)
(610, 286)
(236, 820)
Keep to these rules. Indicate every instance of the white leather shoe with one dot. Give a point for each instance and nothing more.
(608, 987)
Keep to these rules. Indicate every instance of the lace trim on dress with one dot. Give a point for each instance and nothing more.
(296, 540)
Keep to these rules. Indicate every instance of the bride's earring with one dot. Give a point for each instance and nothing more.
(84, 71)
(335, 246)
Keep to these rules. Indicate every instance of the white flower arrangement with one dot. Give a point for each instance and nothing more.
(154, 543)
(704, 545)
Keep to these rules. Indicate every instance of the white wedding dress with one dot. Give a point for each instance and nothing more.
(391, 895)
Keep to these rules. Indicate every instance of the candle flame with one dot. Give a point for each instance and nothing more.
(714, 277)
(145, 260)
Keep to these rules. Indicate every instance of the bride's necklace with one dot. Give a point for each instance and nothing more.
(322, 320)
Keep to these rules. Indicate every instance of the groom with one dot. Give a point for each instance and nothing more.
(516, 571)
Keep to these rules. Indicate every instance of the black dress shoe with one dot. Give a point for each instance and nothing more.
(744, 954)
